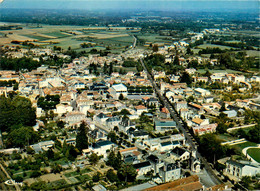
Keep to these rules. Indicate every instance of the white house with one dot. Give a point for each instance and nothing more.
(181, 154)
(143, 168)
(238, 169)
(102, 147)
(118, 89)
(170, 172)
(74, 117)
(62, 109)
(140, 109)
(201, 92)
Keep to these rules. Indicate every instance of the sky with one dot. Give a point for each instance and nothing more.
(159, 5)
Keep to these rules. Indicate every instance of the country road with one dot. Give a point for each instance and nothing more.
(190, 140)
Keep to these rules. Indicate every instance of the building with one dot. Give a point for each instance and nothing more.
(201, 92)
(203, 129)
(164, 125)
(140, 109)
(230, 113)
(170, 172)
(102, 147)
(181, 154)
(143, 168)
(74, 117)
(191, 183)
(118, 89)
(238, 169)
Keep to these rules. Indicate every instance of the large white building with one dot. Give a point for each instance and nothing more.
(118, 89)
(238, 169)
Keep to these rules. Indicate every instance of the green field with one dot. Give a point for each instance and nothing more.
(253, 53)
(241, 146)
(57, 34)
(254, 153)
(204, 46)
(40, 38)
(201, 71)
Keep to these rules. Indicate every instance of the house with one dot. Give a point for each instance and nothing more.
(101, 147)
(203, 129)
(101, 118)
(166, 146)
(164, 125)
(42, 146)
(125, 125)
(165, 114)
(181, 154)
(118, 89)
(155, 162)
(138, 134)
(143, 168)
(74, 117)
(130, 155)
(98, 187)
(112, 122)
(237, 169)
(170, 172)
(140, 109)
(230, 113)
(198, 121)
(62, 109)
(180, 105)
(201, 92)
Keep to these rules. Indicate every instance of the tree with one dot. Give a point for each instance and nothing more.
(155, 48)
(111, 176)
(121, 97)
(189, 51)
(93, 158)
(96, 177)
(124, 112)
(21, 137)
(16, 110)
(186, 78)
(110, 68)
(112, 137)
(56, 168)
(127, 173)
(176, 60)
(81, 138)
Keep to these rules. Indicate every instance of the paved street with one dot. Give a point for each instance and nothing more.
(214, 180)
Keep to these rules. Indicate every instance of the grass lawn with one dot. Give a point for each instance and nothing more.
(83, 178)
(57, 184)
(70, 174)
(241, 146)
(226, 137)
(254, 153)
(86, 170)
(201, 71)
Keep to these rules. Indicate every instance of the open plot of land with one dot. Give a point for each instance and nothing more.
(241, 146)
(254, 153)
(70, 36)
(253, 53)
(228, 71)
(204, 46)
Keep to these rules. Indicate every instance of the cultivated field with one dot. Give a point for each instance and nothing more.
(116, 38)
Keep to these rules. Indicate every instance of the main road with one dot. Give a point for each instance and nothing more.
(190, 140)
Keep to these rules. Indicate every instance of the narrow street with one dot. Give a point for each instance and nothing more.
(190, 140)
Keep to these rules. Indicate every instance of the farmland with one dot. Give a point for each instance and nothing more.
(117, 38)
